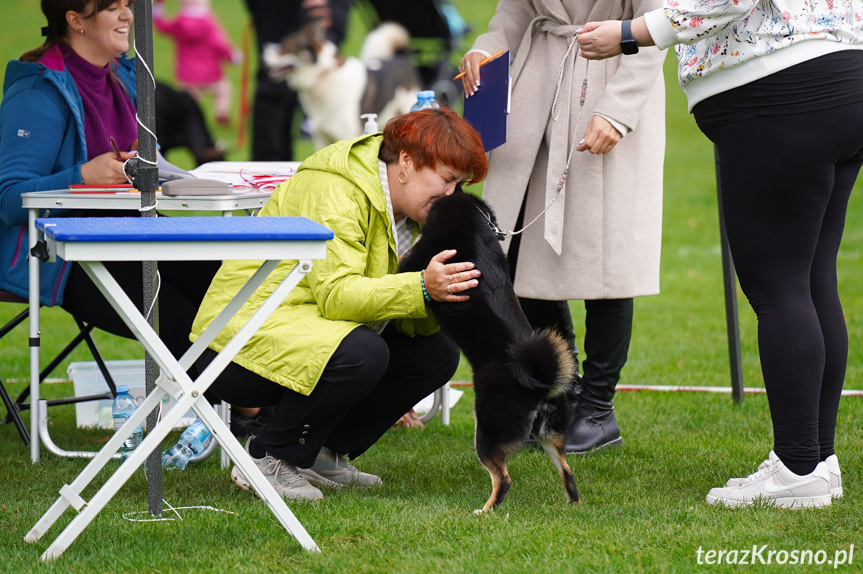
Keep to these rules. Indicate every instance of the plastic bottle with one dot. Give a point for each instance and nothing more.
(371, 125)
(123, 407)
(425, 100)
(193, 441)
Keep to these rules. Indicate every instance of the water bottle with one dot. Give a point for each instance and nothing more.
(425, 100)
(193, 441)
(123, 407)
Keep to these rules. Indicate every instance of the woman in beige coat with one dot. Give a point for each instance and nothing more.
(599, 239)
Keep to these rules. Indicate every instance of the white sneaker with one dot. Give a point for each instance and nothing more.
(332, 469)
(284, 477)
(835, 476)
(832, 468)
(777, 485)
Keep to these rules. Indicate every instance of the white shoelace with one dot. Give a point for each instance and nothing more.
(277, 466)
(763, 471)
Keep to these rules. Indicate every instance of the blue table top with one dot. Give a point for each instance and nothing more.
(127, 229)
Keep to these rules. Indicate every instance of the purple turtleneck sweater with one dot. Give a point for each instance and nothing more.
(108, 110)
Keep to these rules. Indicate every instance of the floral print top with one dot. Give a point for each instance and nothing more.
(719, 34)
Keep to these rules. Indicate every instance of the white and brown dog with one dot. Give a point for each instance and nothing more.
(333, 90)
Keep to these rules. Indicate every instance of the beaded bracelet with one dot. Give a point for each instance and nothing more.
(423, 285)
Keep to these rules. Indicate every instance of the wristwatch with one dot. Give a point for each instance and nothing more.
(627, 42)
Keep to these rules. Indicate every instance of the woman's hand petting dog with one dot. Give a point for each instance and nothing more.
(443, 281)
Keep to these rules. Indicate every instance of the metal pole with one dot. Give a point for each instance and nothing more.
(730, 281)
(147, 182)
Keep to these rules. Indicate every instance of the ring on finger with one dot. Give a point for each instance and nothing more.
(450, 279)
(449, 289)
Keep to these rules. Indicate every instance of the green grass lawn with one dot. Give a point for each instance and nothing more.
(643, 507)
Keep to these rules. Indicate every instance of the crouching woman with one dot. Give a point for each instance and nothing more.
(353, 347)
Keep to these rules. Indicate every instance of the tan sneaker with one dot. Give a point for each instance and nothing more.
(331, 469)
(284, 477)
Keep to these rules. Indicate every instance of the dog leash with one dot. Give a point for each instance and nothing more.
(502, 234)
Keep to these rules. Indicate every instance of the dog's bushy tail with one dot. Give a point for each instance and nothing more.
(384, 42)
(543, 361)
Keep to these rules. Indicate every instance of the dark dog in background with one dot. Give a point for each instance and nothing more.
(180, 123)
(520, 376)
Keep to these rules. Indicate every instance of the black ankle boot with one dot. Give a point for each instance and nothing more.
(593, 426)
(608, 331)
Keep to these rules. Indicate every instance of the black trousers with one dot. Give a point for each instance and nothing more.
(786, 180)
(369, 383)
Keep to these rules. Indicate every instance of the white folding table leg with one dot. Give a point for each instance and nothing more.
(95, 466)
(33, 322)
(226, 418)
(444, 405)
(152, 441)
(192, 392)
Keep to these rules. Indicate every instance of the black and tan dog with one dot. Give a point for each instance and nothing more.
(519, 375)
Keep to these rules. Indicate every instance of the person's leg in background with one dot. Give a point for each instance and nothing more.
(608, 331)
(825, 296)
(274, 103)
(222, 100)
(339, 11)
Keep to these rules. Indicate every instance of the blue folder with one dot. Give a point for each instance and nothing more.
(488, 108)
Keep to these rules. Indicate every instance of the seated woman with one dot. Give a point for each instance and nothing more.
(353, 347)
(62, 102)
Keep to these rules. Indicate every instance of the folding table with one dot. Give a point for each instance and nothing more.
(130, 201)
(90, 241)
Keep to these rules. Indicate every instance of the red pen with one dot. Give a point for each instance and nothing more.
(116, 149)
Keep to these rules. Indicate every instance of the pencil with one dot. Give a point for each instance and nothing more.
(483, 63)
(116, 149)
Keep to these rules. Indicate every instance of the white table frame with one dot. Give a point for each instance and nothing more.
(129, 201)
(174, 380)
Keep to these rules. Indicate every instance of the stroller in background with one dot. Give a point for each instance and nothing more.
(436, 29)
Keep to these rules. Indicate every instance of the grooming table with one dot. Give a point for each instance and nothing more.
(35, 201)
(90, 241)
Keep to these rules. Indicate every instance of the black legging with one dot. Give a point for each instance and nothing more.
(785, 182)
(182, 288)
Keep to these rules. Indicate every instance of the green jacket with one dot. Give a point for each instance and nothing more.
(356, 284)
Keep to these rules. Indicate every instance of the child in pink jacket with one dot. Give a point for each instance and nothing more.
(202, 46)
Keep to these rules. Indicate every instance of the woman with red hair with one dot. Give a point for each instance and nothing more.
(353, 347)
